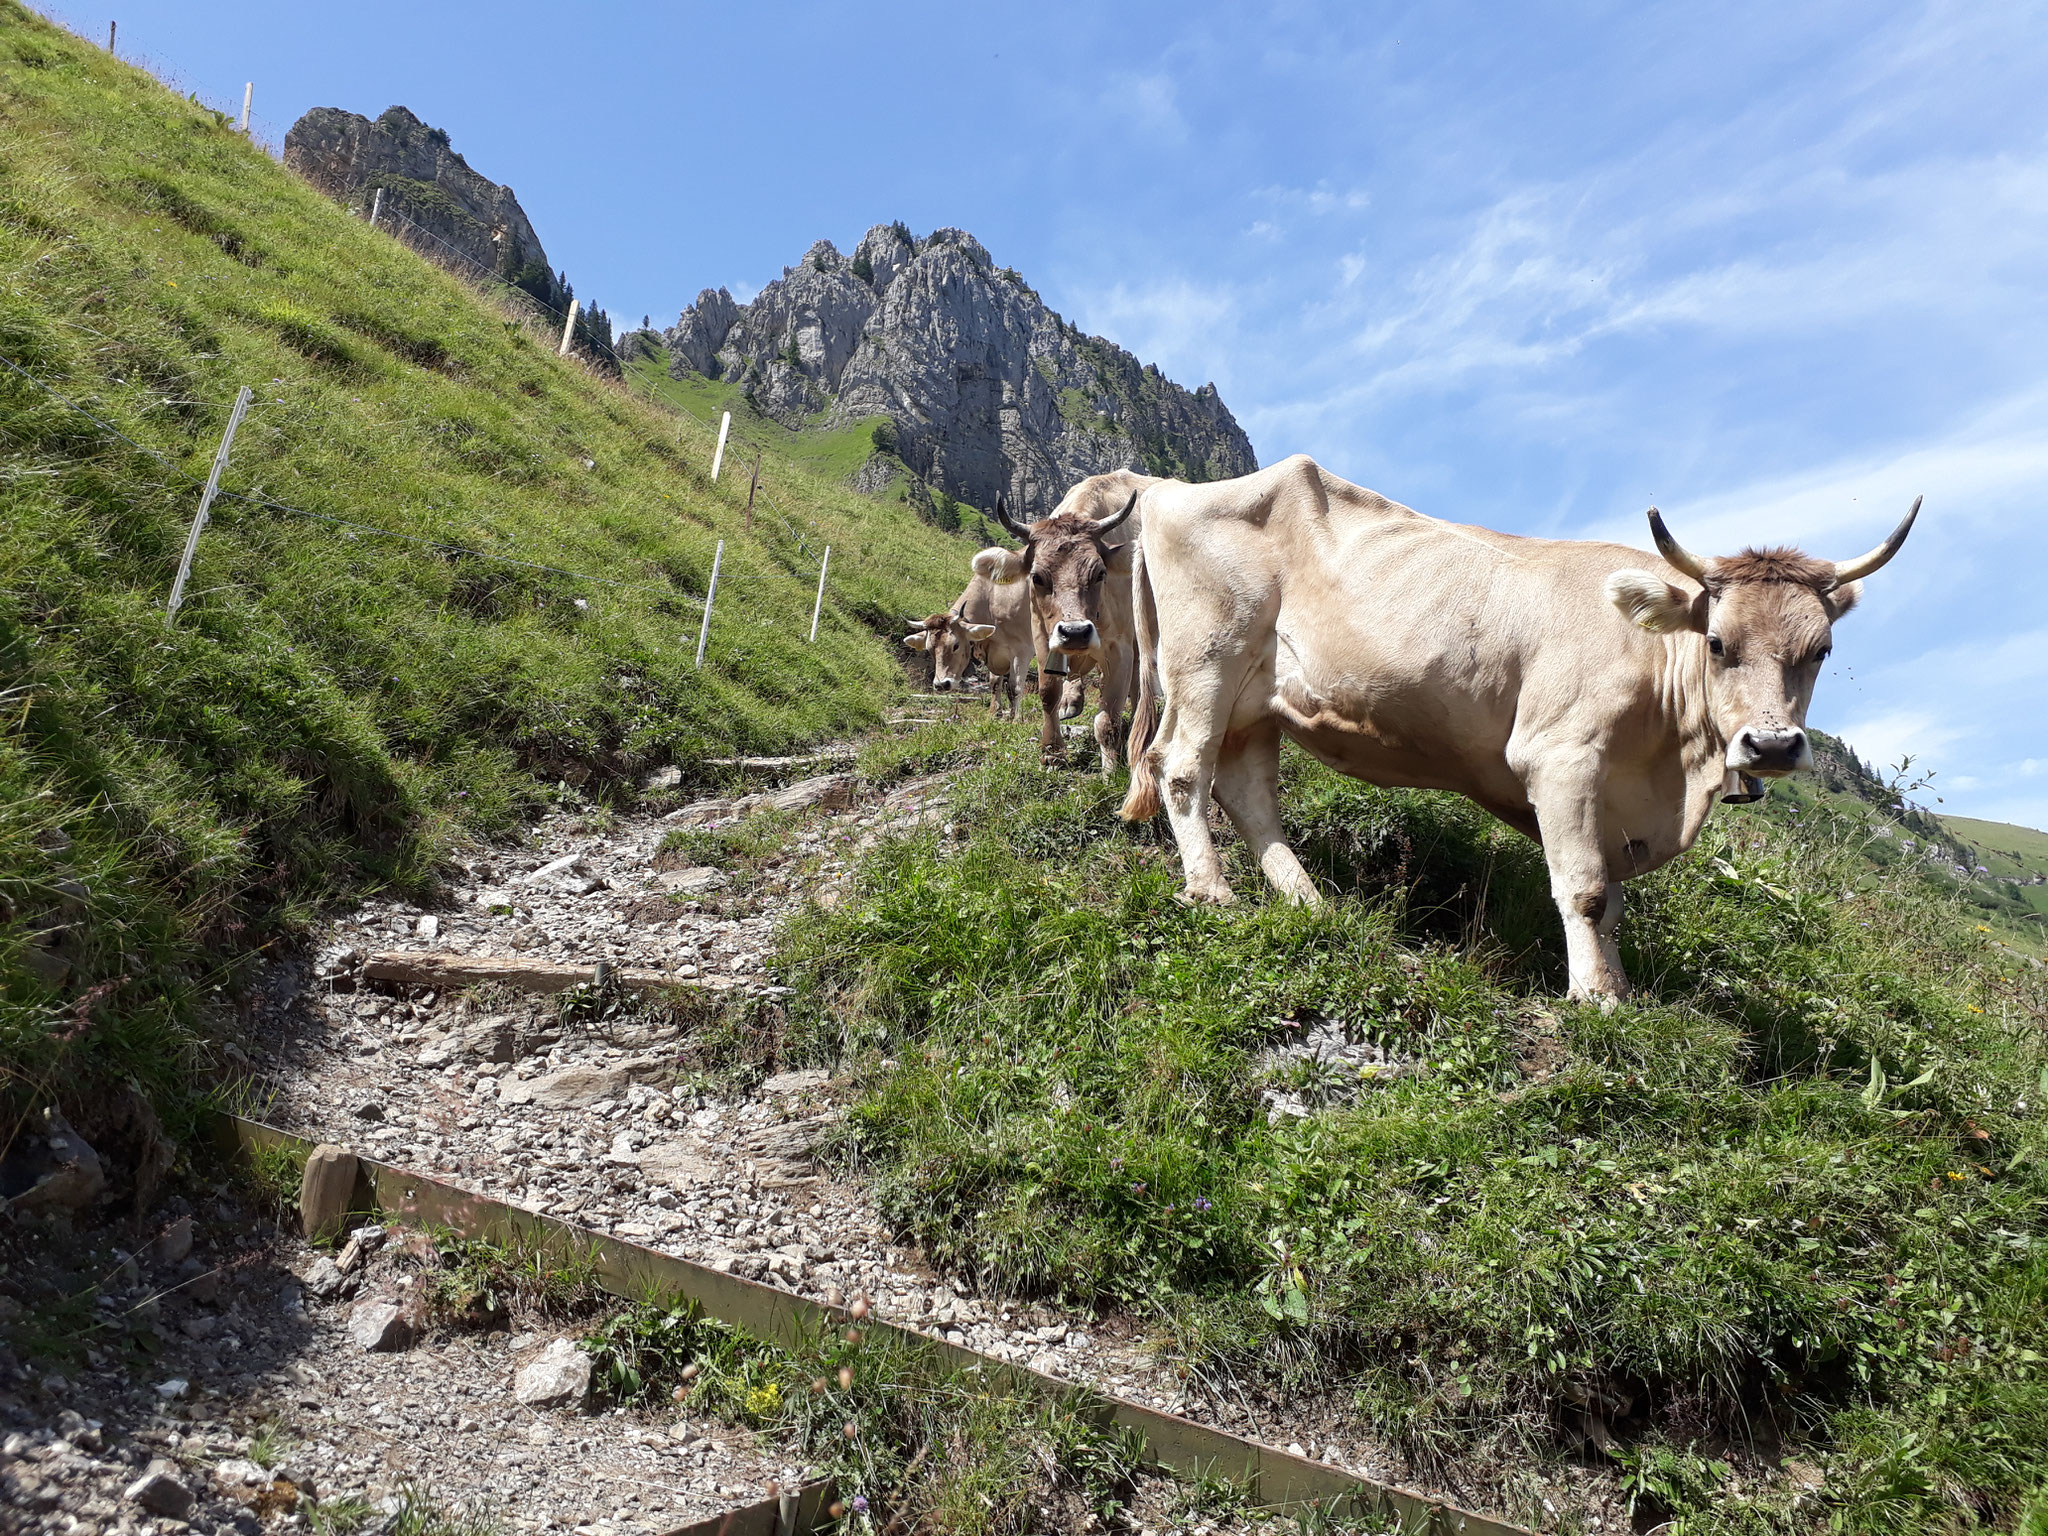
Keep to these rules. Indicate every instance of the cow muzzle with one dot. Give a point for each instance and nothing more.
(1769, 752)
(1071, 636)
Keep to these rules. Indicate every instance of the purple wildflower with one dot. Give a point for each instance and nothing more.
(1138, 1188)
(860, 1504)
(1201, 1202)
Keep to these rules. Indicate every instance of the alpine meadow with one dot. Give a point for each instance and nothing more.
(418, 834)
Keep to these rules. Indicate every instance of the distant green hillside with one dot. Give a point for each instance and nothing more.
(1987, 864)
(834, 456)
(454, 571)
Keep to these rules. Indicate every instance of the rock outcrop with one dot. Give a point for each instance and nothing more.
(433, 201)
(988, 390)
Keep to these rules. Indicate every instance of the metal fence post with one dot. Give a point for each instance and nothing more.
(248, 95)
(704, 630)
(376, 207)
(568, 328)
(220, 462)
(819, 606)
(718, 454)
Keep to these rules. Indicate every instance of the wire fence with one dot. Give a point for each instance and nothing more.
(180, 479)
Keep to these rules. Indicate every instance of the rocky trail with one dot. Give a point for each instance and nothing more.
(492, 1041)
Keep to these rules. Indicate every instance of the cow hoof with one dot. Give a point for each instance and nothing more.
(1218, 895)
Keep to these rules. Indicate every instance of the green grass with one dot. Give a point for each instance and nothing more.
(831, 456)
(334, 709)
(902, 1435)
(1796, 1189)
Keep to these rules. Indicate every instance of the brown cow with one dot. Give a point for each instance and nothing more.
(990, 623)
(1078, 562)
(987, 620)
(1584, 693)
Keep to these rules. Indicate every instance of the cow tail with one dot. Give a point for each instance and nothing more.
(1141, 800)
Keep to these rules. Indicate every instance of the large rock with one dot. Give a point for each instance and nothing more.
(379, 1326)
(988, 390)
(162, 1491)
(560, 1378)
(51, 1168)
(576, 1087)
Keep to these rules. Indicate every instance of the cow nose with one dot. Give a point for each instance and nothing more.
(1782, 750)
(942, 685)
(1074, 636)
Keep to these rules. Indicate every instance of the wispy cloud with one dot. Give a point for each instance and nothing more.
(1148, 102)
(1184, 326)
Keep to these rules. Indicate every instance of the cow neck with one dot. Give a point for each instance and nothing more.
(1684, 695)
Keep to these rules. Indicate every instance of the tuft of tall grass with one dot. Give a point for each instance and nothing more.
(909, 1441)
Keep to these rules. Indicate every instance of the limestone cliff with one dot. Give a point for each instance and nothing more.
(435, 202)
(988, 389)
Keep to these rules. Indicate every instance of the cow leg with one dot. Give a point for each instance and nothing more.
(1020, 674)
(1610, 920)
(1566, 797)
(1109, 707)
(1248, 788)
(1052, 750)
(1184, 761)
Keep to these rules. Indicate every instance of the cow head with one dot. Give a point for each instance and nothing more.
(951, 641)
(1067, 558)
(1766, 619)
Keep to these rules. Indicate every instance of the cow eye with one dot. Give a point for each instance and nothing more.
(1714, 645)
(1039, 580)
(1823, 654)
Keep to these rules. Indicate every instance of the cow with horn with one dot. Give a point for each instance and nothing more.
(1077, 564)
(1591, 696)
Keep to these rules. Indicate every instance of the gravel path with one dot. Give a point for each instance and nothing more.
(225, 1380)
(591, 1124)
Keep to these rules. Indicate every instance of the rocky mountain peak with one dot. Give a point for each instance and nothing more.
(988, 389)
(435, 202)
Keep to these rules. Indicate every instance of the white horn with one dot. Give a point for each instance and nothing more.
(1675, 554)
(1855, 570)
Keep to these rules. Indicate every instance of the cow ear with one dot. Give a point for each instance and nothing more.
(1652, 603)
(918, 642)
(1842, 599)
(1118, 560)
(1001, 566)
(979, 632)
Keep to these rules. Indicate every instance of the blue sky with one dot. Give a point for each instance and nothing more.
(1777, 269)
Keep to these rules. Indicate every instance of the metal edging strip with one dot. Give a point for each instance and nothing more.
(1275, 1479)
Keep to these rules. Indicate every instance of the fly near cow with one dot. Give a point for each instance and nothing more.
(1592, 696)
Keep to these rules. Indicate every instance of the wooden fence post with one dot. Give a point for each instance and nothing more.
(248, 95)
(753, 485)
(220, 462)
(718, 454)
(111, 26)
(704, 632)
(819, 606)
(568, 328)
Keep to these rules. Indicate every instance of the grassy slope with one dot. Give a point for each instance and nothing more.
(1701, 1217)
(832, 456)
(2010, 851)
(333, 707)
(1864, 811)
